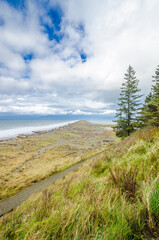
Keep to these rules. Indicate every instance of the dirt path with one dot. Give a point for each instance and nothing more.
(10, 203)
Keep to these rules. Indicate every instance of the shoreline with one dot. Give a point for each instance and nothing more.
(34, 157)
(37, 132)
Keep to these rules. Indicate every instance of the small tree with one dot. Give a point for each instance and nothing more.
(150, 111)
(128, 112)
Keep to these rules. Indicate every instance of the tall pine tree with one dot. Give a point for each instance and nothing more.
(145, 114)
(150, 111)
(127, 113)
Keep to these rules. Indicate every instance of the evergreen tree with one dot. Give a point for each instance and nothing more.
(145, 114)
(127, 113)
(150, 111)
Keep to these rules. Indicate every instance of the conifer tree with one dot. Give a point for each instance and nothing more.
(150, 111)
(128, 110)
(145, 114)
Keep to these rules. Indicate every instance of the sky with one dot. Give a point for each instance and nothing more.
(69, 57)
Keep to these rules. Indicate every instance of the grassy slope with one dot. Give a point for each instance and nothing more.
(116, 197)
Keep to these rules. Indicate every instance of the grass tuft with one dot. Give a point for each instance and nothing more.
(125, 180)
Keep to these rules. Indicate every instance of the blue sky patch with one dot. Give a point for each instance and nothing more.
(16, 3)
(26, 76)
(49, 30)
(83, 57)
(53, 29)
(52, 33)
(28, 57)
(58, 37)
(56, 17)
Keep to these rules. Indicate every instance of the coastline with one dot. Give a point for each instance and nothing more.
(34, 157)
(29, 130)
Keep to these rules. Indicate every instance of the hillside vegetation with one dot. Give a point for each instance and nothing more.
(116, 197)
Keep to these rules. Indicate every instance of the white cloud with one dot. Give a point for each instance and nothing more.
(12, 86)
(79, 112)
(112, 34)
(108, 112)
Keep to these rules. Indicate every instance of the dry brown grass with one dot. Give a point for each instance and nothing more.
(125, 180)
(24, 161)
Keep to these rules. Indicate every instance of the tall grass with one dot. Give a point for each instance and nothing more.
(116, 197)
(154, 200)
(125, 180)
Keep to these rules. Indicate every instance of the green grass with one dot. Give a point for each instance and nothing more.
(115, 197)
(154, 200)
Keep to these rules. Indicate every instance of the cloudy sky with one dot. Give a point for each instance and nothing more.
(70, 56)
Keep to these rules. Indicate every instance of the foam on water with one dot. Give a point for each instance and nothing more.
(10, 133)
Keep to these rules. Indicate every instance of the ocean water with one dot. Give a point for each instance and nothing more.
(12, 128)
(101, 121)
